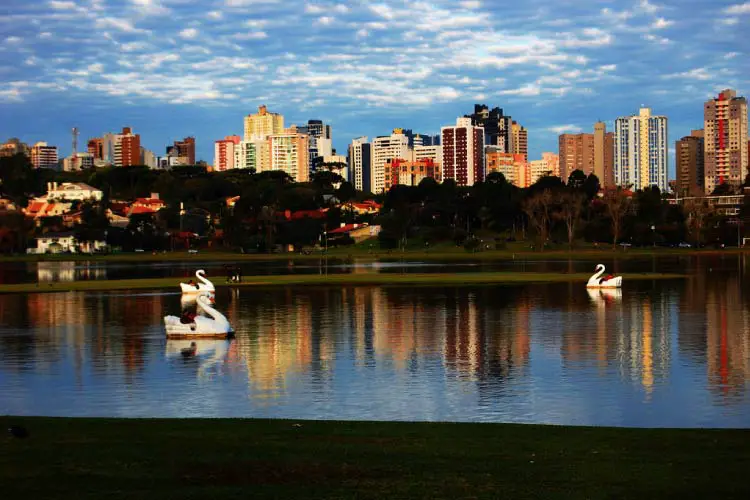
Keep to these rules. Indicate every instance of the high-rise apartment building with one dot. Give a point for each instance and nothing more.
(148, 158)
(463, 152)
(410, 173)
(95, 146)
(224, 155)
(514, 167)
(289, 152)
(498, 128)
(14, 146)
(185, 149)
(520, 144)
(263, 124)
(641, 151)
(434, 153)
(689, 164)
(384, 148)
(726, 140)
(604, 155)
(360, 164)
(548, 165)
(576, 153)
(127, 148)
(43, 155)
(247, 154)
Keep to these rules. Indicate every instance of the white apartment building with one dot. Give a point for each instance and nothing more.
(360, 162)
(386, 148)
(246, 154)
(44, 155)
(289, 152)
(434, 153)
(641, 151)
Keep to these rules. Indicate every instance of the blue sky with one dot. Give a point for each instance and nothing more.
(171, 68)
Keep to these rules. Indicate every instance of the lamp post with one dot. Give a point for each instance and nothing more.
(653, 235)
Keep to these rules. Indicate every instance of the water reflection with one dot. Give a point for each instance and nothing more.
(673, 353)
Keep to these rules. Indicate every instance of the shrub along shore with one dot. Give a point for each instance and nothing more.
(341, 279)
(231, 458)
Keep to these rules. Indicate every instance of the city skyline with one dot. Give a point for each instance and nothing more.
(172, 69)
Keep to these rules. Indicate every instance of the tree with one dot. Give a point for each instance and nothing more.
(571, 206)
(538, 209)
(576, 179)
(591, 186)
(617, 205)
(697, 211)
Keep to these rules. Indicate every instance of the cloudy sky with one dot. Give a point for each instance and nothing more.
(171, 68)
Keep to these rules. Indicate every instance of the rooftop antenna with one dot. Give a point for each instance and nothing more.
(75, 147)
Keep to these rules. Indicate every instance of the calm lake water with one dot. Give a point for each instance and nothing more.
(661, 353)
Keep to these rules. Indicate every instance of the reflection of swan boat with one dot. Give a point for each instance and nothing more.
(206, 352)
(204, 286)
(215, 326)
(596, 281)
(603, 296)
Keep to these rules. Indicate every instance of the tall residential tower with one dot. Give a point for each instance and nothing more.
(726, 144)
(641, 151)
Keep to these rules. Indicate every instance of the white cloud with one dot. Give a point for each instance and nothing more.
(565, 129)
(362, 33)
(215, 14)
(661, 23)
(693, 74)
(471, 4)
(382, 10)
(656, 39)
(731, 55)
(525, 91)
(647, 7)
(314, 9)
(58, 5)
(45, 34)
(10, 95)
(133, 46)
(96, 68)
(326, 20)
(738, 9)
(118, 24)
(255, 23)
(150, 7)
(253, 35)
(189, 33)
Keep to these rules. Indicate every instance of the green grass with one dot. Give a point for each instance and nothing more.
(226, 459)
(364, 252)
(385, 279)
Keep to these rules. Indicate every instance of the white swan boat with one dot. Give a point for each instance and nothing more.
(215, 326)
(204, 286)
(602, 296)
(207, 353)
(596, 280)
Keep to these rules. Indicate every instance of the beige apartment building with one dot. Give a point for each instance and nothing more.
(263, 124)
(289, 153)
(726, 140)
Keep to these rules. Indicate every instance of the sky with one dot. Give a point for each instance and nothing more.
(173, 68)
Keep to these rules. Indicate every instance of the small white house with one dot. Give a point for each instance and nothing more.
(72, 191)
(51, 243)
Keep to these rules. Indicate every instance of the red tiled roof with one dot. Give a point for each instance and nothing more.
(345, 229)
(140, 209)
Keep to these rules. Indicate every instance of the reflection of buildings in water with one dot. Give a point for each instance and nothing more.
(483, 341)
(643, 340)
(69, 271)
(713, 326)
(275, 339)
(727, 339)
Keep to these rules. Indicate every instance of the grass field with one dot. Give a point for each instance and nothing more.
(364, 252)
(385, 279)
(226, 459)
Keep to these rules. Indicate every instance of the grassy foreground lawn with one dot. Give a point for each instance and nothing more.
(386, 279)
(118, 459)
(363, 252)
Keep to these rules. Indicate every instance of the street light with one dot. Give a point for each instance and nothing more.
(653, 235)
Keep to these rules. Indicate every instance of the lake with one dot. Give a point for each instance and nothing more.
(663, 353)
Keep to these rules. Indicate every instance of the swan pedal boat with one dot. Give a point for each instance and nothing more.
(214, 327)
(596, 282)
(204, 286)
